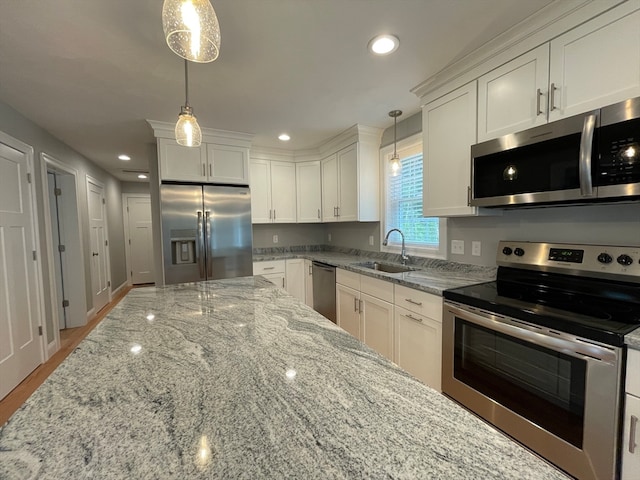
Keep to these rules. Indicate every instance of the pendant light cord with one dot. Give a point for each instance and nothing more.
(186, 83)
(395, 136)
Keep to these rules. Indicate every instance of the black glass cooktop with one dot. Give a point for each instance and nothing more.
(599, 310)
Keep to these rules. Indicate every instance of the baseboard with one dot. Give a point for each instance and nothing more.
(122, 286)
(90, 314)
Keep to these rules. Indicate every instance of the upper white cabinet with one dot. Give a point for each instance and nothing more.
(181, 163)
(308, 192)
(449, 130)
(273, 191)
(514, 96)
(595, 64)
(228, 164)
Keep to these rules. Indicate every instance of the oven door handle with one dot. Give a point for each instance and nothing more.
(586, 148)
(537, 335)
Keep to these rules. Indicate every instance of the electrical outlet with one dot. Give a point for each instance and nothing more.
(329, 237)
(371, 240)
(457, 247)
(476, 248)
(275, 239)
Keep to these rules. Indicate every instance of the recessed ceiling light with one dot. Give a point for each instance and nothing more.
(142, 175)
(384, 44)
(284, 137)
(124, 157)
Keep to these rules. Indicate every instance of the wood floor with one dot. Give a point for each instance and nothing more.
(69, 339)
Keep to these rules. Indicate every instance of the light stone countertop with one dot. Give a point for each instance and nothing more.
(431, 275)
(633, 339)
(237, 379)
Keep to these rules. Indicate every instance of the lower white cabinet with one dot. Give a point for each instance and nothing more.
(418, 346)
(295, 278)
(348, 310)
(308, 283)
(377, 324)
(631, 426)
(272, 270)
(294, 275)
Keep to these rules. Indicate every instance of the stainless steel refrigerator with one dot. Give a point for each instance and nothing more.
(206, 232)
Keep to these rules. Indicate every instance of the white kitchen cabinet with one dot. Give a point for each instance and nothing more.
(418, 346)
(377, 323)
(182, 163)
(348, 310)
(227, 164)
(595, 64)
(513, 97)
(308, 192)
(351, 183)
(449, 130)
(631, 424)
(295, 278)
(308, 283)
(272, 270)
(273, 191)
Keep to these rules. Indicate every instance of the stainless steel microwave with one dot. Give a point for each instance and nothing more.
(592, 157)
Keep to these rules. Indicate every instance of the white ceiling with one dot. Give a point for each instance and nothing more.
(91, 71)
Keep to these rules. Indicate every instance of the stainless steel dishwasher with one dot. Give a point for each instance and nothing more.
(324, 290)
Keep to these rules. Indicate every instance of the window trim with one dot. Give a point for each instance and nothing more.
(395, 243)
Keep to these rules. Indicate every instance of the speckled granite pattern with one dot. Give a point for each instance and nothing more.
(633, 339)
(431, 275)
(236, 379)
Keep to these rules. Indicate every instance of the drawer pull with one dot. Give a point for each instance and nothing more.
(632, 434)
(355, 304)
(413, 318)
(269, 268)
(413, 301)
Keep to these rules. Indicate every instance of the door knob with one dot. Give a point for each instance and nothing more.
(94, 254)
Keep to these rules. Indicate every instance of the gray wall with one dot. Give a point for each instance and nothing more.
(289, 235)
(134, 187)
(354, 235)
(16, 125)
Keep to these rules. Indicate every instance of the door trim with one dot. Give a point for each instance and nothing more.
(28, 151)
(127, 236)
(48, 162)
(95, 181)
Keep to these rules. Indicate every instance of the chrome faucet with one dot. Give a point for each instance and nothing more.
(403, 253)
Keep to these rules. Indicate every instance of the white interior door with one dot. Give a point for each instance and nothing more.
(98, 245)
(20, 346)
(140, 242)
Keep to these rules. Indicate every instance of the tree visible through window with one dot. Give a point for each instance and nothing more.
(404, 205)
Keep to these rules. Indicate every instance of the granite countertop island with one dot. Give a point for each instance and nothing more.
(237, 379)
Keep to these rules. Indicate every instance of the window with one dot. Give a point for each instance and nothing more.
(403, 204)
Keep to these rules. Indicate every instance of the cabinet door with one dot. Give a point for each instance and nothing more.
(348, 309)
(449, 130)
(308, 283)
(260, 191)
(278, 279)
(418, 348)
(513, 96)
(631, 439)
(181, 163)
(377, 323)
(329, 188)
(308, 192)
(228, 164)
(283, 192)
(296, 278)
(595, 64)
(348, 184)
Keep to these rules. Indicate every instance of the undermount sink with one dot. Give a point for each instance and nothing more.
(385, 267)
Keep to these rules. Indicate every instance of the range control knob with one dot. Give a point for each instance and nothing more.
(605, 258)
(625, 260)
(507, 250)
(519, 252)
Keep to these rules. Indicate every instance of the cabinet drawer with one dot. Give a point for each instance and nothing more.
(376, 288)
(633, 372)
(419, 302)
(350, 279)
(271, 266)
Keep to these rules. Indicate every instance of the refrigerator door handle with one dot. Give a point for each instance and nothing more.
(200, 245)
(207, 233)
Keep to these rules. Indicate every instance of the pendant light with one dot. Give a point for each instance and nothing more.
(191, 29)
(394, 161)
(187, 129)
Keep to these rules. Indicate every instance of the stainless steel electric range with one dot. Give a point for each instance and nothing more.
(540, 352)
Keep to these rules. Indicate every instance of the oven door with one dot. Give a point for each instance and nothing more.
(556, 394)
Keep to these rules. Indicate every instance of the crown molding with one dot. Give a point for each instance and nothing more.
(209, 135)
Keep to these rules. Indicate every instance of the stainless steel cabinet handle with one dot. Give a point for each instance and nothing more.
(360, 306)
(207, 232)
(338, 210)
(274, 214)
(204, 172)
(269, 268)
(355, 304)
(632, 434)
(538, 97)
(310, 270)
(408, 315)
(270, 215)
(210, 170)
(318, 213)
(412, 301)
(584, 167)
(283, 282)
(334, 212)
(469, 196)
(552, 97)
(200, 245)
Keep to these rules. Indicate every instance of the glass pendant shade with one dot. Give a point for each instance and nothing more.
(395, 165)
(188, 131)
(191, 29)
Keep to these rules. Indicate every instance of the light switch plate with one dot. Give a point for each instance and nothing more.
(476, 248)
(457, 247)
(275, 239)
(371, 240)
(329, 237)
